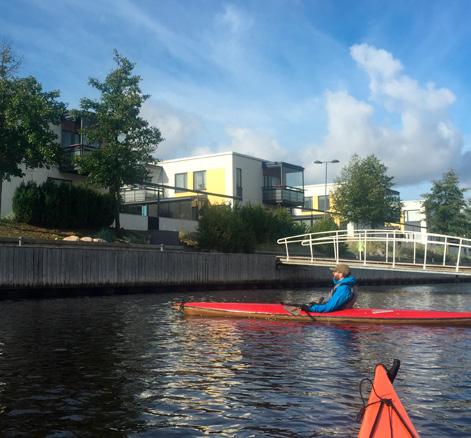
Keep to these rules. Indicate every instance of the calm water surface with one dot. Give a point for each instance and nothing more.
(131, 366)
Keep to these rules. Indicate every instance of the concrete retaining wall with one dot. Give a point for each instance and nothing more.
(23, 267)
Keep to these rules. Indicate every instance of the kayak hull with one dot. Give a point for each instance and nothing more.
(356, 315)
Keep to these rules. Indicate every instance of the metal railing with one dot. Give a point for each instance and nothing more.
(387, 248)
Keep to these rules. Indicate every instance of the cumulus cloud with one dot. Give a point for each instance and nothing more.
(416, 139)
(178, 127)
(247, 141)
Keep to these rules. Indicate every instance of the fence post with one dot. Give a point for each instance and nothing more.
(459, 255)
(387, 246)
(287, 252)
(394, 249)
(444, 250)
(310, 247)
(364, 249)
(415, 243)
(425, 253)
(337, 245)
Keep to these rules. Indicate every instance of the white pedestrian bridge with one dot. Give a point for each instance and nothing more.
(397, 250)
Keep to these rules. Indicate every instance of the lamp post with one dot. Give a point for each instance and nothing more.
(325, 186)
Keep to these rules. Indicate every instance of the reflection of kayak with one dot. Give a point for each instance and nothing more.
(383, 415)
(289, 312)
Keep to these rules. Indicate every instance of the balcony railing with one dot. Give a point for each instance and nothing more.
(283, 195)
(71, 152)
(141, 194)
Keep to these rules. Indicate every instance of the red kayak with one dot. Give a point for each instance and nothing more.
(292, 312)
(384, 416)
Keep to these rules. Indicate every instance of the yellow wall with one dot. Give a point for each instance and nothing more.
(315, 205)
(215, 182)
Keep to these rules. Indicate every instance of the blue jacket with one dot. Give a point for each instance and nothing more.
(341, 295)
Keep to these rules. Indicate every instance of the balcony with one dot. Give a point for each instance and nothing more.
(70, 153)
(283, 184)
(283, 195)
(141, 194)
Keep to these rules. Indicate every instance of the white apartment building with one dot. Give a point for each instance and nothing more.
(178, 188)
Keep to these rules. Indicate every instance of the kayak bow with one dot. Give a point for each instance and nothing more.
(384, 415)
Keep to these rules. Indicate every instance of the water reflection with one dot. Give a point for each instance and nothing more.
(130, 366)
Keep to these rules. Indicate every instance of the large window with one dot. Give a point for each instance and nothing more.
(199, 180)
(323, 203)
(239, 182)
(308, 202)
(181, 181)
(69, 138)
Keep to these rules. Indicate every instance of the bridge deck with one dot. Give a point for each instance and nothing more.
(377, 265)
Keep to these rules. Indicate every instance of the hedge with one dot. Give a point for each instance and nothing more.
(59, 205)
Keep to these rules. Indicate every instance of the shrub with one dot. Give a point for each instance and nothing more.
(241, 228)
(62, 206)
(222, 229)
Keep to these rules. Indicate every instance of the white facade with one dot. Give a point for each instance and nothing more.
(413, 215)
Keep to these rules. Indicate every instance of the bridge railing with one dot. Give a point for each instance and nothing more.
(392, 247)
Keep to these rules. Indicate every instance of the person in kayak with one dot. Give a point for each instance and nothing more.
(343, 294)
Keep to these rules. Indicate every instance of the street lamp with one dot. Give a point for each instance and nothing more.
(325, 187)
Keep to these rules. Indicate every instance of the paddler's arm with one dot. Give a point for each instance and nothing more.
(338, 299)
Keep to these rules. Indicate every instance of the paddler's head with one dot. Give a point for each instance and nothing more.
(340, 271)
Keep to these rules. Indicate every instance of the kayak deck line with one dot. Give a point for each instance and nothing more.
(293, 313)
(384, 416)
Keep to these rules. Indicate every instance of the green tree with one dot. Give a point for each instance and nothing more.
(126, 140)
(26, 115)
(445, 207)
(364, 194)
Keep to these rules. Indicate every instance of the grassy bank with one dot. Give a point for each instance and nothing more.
(11, 229)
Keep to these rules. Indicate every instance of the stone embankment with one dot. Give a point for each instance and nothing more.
(93, 266)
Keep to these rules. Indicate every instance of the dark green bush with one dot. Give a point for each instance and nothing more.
(62, 206)
(239, 229)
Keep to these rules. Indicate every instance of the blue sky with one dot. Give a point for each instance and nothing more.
(282, 80)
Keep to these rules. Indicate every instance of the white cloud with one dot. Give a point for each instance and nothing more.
(249, 142)
(417, 140)
(179, 129)
(375, 61)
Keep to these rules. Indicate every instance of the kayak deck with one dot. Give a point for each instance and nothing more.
(384, 415)
(356, 315)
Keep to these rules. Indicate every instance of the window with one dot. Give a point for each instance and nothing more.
(239, 182)
(307, 202)
(180, 181)
(323, 203)
(199, 180)
(69, 138)
(59, 180)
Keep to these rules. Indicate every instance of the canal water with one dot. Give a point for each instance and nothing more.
(129, 365)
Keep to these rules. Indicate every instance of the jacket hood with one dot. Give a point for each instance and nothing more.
(350, 280)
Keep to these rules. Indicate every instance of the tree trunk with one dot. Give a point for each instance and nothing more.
(117, 223)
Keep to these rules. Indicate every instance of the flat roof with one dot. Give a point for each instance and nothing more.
(218, 154)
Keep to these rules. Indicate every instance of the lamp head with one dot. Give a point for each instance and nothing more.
(318, 162)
